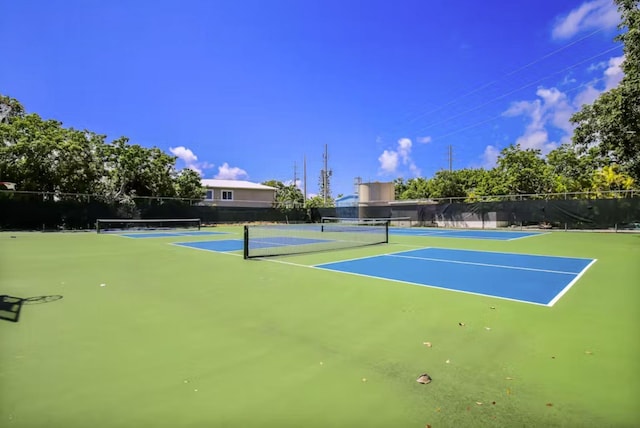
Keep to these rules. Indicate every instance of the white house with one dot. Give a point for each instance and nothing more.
(238, 193)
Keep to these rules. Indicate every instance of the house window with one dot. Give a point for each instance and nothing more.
(227, 195)
(209, 195)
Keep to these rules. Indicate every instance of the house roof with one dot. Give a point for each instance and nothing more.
(234, 184)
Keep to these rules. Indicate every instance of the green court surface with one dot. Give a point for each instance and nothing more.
(146, 334)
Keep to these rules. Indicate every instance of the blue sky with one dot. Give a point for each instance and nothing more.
(247, 89)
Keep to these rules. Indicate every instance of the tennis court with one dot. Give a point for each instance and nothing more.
(227, 245)
(112, 326)
(494, 235)
(521, 277)
(168, 234)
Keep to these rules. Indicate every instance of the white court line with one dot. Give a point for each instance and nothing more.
(502, 252)
(181, 244)
(369, 257)
(482, 264)
(569, 285)
(425, 285)
(528, 236)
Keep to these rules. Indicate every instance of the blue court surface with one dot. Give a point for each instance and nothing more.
(526, 278)
(498, 235)
(226, 245)
(168, 234)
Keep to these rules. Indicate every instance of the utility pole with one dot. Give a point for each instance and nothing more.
(295, 174)
(324, 177)
(450, 158)
(305, 178)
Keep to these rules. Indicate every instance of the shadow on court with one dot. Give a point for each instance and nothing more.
(10, 306)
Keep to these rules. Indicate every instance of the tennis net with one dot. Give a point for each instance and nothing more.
(132, 225)
(278, 240)
(392, 221)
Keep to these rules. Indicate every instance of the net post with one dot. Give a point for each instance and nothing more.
(246, 242)
(97, 225)
(386, 232)
(199, 223)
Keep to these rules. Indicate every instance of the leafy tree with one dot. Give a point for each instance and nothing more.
(29, 156)
(572, 171)
(188, 184)
(400, 186)
(612, 123)
(491, 183)
(610, 178)
(416, 188)
(318, 202)
(287, 196)
(10, 108)
(523, 171)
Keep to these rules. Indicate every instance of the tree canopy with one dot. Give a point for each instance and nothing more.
(43, 155)
(611, 125)
(522, 171)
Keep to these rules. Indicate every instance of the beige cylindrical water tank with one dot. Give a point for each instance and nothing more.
(376, 192)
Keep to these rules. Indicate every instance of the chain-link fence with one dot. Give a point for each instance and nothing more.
(63, 211)
(59, 211)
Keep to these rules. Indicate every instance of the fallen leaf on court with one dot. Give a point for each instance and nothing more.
(487, 328)
(424, 379)
(102, 285)
(508, 391)
(479, 403)
(427, 344)
(461, 324)
(508, 378)
(437, 409)
(364, 379)
(549, 404)
(588, 352)
(492, 307)
(448, 361)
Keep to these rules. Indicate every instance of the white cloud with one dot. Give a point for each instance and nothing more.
(388, 161)
(490, 157)
(553, 108)
(590, 15)
(589, 95)
(613, 74)
(391, 159)
(423, 140)
(184, 154)
(225, 172)
(190, 159)
(404, 150)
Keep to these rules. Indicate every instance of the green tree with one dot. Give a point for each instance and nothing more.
(612, 122)
(572, 171)
(416, 188)
(10, 108)
(287, 196)
(610, 178)
(133, 170)
(188, 184)
(400, 186)
(318, 202)
(523, 171)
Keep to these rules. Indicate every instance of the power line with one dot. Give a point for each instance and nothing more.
(517, 90)
(511, 73)
(475, 125)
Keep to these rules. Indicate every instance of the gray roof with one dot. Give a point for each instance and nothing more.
(234, 184)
